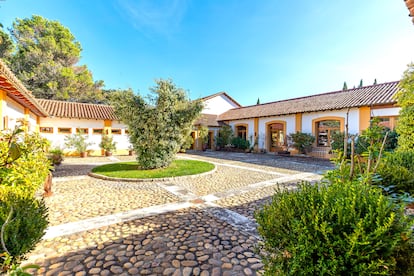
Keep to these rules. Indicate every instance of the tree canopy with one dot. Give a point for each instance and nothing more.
(45, 58)
(159, 124)
(405, 99)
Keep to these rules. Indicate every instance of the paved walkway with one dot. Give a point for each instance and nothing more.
(188, 226)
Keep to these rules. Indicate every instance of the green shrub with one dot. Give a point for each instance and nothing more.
(363, 142)
(23, 161)
(77, 141)
(55, 156)
(240, 143)
(397, 171)
(225, 136)
(338, 229)
(302, 141)
(159, 123)
(26, 225)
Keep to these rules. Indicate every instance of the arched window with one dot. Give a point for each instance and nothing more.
(325, 130)
(276, 136)
(241, 131)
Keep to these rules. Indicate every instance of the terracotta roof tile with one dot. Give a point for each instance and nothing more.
(78, 110)
(380, 94)
(208, 120)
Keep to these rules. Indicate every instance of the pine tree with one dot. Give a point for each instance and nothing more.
(258, 101)
(345, 87)
(360, 84)
(375, 81)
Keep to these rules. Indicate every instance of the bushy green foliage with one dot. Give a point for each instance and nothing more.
(335, 229)
(55, 156)
(23, 161)
(23, 169)
(363, 141)
(203, 133)
(397, 172)
(26, 225)
(158, 126)
(225, 136)
(240, 143)
(46, 58)
(405, 99)
(302, 141)
(107, 143)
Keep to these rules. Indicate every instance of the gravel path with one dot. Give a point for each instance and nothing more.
(190, 226)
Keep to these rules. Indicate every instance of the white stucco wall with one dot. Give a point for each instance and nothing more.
(14, 112)
(218, 105)
(383, 112)
(250, 127)
(122, 141)
(353, 119)
(58, 139)
(290, 121)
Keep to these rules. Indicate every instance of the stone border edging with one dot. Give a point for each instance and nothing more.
(163, 179)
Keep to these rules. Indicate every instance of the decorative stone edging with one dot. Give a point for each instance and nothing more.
(163, 179)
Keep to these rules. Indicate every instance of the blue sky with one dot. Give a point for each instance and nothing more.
(264, 49)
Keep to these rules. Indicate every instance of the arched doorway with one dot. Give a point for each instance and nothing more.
(276, 137)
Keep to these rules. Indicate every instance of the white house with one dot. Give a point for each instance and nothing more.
(320, 115)
(265, 125)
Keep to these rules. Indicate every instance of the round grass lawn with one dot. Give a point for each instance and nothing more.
(132, 170)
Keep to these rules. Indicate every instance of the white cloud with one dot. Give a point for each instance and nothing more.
(148, 16)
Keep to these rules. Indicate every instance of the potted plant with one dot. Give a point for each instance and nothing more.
(130, 150)
(78, 142)
(55, 156)
(107, 144)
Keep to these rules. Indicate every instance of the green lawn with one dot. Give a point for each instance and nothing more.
(132, 170)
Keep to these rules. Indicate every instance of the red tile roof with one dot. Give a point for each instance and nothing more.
(208, 120)
(17, 91)
(380, 94)
(64, 109)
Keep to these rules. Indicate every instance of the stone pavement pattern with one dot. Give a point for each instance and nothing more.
(188, 226)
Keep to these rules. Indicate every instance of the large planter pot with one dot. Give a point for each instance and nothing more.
(108, 153)
(130, 152)
(83, 154)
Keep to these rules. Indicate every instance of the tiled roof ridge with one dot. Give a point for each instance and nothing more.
(72, 102)
(218, 94)
(320, 94)
(70, 109)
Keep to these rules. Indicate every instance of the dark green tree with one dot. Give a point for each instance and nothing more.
(360, 84)
(6, 44)
(45, 60)
(375, 81)
(345, 87)
(258, 101)
(405, 99)
(158, 125)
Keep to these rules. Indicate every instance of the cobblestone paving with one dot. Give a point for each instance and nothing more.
(211, 237)
(247, 203)
(187, 242)
(223, 179)
(73, 199)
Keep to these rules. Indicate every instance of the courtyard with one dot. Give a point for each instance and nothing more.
(200, 225)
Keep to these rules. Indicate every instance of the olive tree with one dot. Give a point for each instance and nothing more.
(158, 124)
